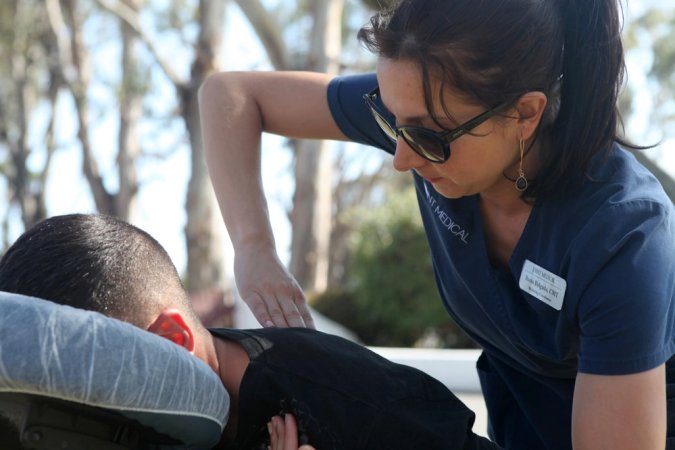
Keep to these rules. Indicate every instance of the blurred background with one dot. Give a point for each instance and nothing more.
(98, 113)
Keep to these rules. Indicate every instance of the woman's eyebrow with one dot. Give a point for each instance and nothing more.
(421, 118)
(416, 118)
(426, 118)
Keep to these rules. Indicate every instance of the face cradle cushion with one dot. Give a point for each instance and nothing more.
(121, 386)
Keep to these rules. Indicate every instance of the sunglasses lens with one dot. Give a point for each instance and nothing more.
(426, 145)
(384, 125)
(423, 142)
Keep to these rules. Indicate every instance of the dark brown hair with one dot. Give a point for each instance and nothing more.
(93, 262)
(494, 51)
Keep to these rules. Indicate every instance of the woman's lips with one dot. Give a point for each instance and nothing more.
(432, 180)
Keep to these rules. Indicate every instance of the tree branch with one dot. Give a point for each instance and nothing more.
(267, 31)
(130, 17)
(72, 58)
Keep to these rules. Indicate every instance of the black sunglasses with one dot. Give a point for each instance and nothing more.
(431, 145)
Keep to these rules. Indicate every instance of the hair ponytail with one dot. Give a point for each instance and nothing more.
(496, 50)
(592, 76)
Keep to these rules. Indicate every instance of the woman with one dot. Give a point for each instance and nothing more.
(552, 247)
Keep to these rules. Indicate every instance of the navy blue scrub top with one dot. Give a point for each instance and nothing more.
(590, 286)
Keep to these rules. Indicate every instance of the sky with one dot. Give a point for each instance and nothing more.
(161, 202)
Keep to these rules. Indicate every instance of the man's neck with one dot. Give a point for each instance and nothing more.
(231, 361)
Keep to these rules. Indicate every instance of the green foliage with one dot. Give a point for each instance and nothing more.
(652, 32)
(658, 24)
(174, 16)
(378, 4)
(390, 297)
(24, 40)
(664, 53)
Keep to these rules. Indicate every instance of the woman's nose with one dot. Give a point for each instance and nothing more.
(405, 158)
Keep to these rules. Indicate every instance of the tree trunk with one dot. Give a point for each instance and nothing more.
(205, 268)
(268, 31)
(73, 58)
(131, 108)
(17, 99)
(311, 216)
(205, 265)
(348, 194)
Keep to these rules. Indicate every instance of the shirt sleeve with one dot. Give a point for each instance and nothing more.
(350, 112)
(626, 313)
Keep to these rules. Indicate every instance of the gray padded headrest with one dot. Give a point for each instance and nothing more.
(84, 357)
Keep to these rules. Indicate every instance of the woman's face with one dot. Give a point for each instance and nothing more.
(478, 160)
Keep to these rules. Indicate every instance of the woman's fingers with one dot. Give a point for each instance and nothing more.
(284, 434)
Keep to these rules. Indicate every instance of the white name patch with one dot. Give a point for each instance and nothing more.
(543, 285)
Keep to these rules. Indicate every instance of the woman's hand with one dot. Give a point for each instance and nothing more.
(284, 434)
(235, 108)
(269, 290)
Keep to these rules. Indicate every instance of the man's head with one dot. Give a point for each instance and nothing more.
(102, 264)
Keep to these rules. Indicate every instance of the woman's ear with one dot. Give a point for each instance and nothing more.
(530, 108)
(170, 324)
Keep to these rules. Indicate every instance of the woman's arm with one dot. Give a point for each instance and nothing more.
(620, 411)
(235, 108)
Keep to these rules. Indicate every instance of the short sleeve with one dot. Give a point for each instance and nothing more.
(626, 312)
(350, 112)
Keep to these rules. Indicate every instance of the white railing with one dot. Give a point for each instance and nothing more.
(453, 367)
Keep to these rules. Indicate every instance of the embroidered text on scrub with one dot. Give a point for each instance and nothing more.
(446, 220)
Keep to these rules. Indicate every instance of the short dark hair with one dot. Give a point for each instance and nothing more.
(496, 50)
(93, 262)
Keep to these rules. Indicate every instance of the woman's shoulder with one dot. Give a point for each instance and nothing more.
(618, 187)
(621, 201)
(624, 180)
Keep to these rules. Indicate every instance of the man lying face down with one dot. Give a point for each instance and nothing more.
(342, 395)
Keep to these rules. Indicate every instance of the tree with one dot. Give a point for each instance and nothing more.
(133, 89)
(378, 4)
(322, 191)
(653, 30)
(50, 43)
(389, 296)
(205, 268)
(310, 215)
(66, 20)
(24, 51)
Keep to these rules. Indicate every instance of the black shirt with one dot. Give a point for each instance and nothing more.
(344, 396)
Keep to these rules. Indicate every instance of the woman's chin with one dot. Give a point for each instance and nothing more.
(450, 190)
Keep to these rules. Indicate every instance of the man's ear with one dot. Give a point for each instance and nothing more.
(171, 325)
(530, 109)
